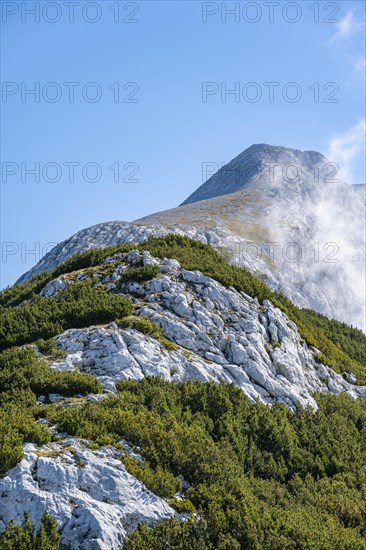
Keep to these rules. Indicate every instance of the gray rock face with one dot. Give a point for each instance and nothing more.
(97, 236)
(296, 224)
(52, 288)
(94, 499)
(221, 335)
(282, 213)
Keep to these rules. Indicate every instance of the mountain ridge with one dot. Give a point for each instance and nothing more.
(275, 213)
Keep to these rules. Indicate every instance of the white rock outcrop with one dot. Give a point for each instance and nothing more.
(221, 335)
(94, 499)
(53, 287)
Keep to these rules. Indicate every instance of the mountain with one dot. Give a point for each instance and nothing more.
(282, 213)
(296, 226)
(159, 388)
(260, 164)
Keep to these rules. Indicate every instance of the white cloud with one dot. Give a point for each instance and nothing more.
(360, 64)
(345, 148)
(346, 27)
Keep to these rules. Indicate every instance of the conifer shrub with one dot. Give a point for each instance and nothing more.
(26, 537)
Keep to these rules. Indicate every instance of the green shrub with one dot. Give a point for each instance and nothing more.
(159, 481)
(142, 325)
(77, 306)
(17, 426)
(182, 506)
(140, 274)
(260, 477)
(48, 347)
(24, 537)
(20, 368)
(146, 326)
(23, 376)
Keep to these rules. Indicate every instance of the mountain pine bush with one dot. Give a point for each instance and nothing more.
(25, 537)
(260, 477)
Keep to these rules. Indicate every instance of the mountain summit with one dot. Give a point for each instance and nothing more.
(288, 217)
(265, 164)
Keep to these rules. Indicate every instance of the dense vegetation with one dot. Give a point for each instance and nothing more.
(260, 477)
(25, 537)
(349, 339)
(24, 377)
(79, 305)
(139, 274)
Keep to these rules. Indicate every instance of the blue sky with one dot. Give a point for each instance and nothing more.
(164, 125)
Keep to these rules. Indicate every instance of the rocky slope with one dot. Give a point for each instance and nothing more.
(267, 166)
(282, 213)
(220, 333)
(215, 333)
(296, 224)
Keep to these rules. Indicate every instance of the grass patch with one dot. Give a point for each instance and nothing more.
(148, 327)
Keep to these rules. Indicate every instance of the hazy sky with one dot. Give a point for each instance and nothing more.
(131, 98)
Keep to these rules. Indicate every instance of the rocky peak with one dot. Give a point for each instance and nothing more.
(264, 165)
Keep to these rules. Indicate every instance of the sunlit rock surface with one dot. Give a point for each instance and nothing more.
(221, 335)
(94, 499)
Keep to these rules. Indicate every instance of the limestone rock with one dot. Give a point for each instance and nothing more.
(220, 334)
(90, 493)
